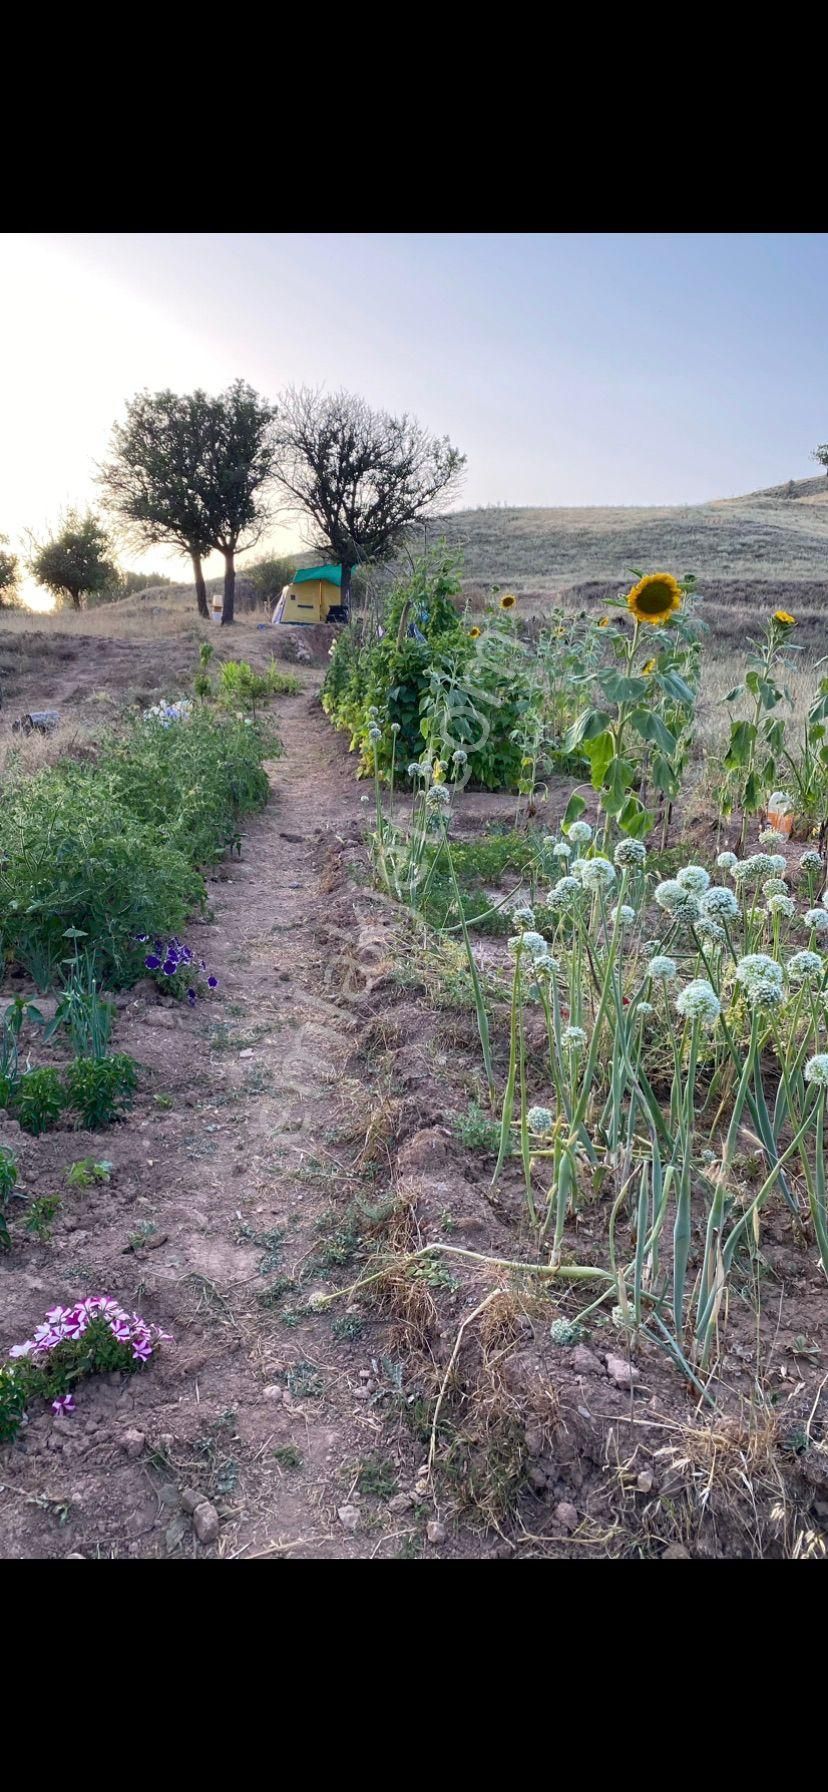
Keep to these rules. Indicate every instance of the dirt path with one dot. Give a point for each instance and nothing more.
(228, 1177)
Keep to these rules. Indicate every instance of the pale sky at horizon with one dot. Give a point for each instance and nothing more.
(571, 369)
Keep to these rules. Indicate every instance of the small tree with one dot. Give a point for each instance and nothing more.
(154, 482)
(76, 562)
(237, 466)
(821, 454)
(9, 570)
(362, 476)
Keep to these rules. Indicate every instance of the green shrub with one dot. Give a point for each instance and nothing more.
(100, 1089)
(38, 1100)
(113, 850)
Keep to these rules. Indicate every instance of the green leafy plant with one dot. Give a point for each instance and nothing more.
(8, 1179)
(101, 1089)
(40, 1216)
(39, 1100)
(86, 1173)
(757, 741)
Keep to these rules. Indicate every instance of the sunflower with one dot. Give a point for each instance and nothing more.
(654, 598)
(508, 600)
(438, 772)
(784, 617)
(650, 667)
(474, 634)
(603, 622)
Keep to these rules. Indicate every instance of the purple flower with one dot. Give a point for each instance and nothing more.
(212, 982)
(65, 1404)
(191, 997)
(152, 962)
(169, 967)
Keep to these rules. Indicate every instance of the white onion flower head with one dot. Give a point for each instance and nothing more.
(524, 917)
(374, 733)
(710, 930)
(630, 853)
(781, 905)
(622, 914)
(597, 874)
(667, 893)
(544, 965)
(758, 965)
(574, 1037)
(395, 727)
(770, 837)
(816, 1070)
(580, 833)
(774, 886)
(565, 893)
(645, 1008)
(698, 1001)
(720, 901)
(817, 918)
(693, 878)
(459, 757)
(804, 965)
(726, 861)
(561, 850)
(415, 769)
(534, 944)
(662, 969)
(540, 1120)
(779, 863)
(811, 861)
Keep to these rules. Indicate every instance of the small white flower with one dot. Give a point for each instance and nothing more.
(630, 852)
(645, 1008)
(817, 918)
(804, 965)
(698, 1001)
(781, 905)
(816, 1070)
(758, 964)
(540, 1120)
(374, 733)
(779, 863)
(561, 850)
(623, 914)
(710, 930)
(574, 1037)
(774, 886)
(534, 944)
(664, 968)
(726, 861)
(564, 894)
(597, 874)
(811, 861)
(395, 727)
(693, 878)
(524, 917)
(720, 901)
(580, 833)
(415, 770)
(459, 757)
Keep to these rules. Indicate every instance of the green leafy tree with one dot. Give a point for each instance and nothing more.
(237, 467)
(820, 453)
(9, 570)
(361, 476)
(75, 563)
(154, 481)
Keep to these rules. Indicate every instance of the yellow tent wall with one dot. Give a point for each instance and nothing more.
(310, 601)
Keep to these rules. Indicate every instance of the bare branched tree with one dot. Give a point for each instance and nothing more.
(362, 477)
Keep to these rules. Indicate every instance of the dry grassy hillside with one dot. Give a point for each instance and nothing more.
(774, 536)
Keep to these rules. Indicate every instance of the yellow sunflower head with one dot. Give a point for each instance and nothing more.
(474, 634)
(438, 772)
(785, 618)
(650, 667)
(654, 598)
(508, 600)
(603, 622)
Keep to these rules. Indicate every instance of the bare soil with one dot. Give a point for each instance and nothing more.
(282, 1134)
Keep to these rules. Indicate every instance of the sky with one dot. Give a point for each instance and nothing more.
(571, 369)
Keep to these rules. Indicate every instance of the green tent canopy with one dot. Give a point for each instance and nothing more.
(332, 575)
